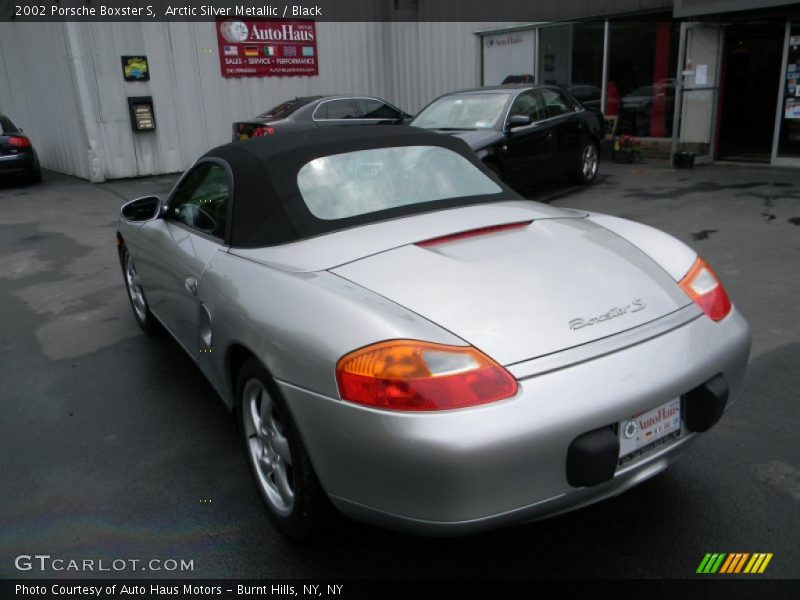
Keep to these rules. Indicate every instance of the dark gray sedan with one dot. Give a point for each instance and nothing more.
(321, 111)
(17, 156)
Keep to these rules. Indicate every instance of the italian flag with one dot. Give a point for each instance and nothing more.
(269, 51)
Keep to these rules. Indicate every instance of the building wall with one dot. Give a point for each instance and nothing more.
(69, 93)
(38, 92)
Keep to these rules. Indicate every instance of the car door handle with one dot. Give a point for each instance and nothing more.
(549, 135)
(191, 285)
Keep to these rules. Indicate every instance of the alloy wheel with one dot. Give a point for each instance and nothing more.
(135, 290)
(589, 162)
(268, 447)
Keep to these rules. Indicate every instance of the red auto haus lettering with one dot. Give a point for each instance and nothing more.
(284, 33)
(662, 415)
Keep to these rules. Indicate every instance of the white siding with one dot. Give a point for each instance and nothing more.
(38, 93)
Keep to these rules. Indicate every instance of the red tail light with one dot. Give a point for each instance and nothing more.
(262, 131)
(705, 288)
(19, 142)
(453, 237)
(420, 376)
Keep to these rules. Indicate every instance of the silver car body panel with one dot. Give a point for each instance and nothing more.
(560, 283)
(469, 469)
(334, 249)
(674, 256)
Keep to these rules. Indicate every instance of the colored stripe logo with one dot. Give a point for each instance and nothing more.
(734, 563)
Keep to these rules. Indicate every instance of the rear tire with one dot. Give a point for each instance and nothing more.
(35, 177)
(141, 310)
(281, 468)
(586, 164)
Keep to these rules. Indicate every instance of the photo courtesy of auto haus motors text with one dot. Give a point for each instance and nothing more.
(134, 590)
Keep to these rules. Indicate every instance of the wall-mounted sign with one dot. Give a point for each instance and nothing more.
(143, 118)
(507, 54)
(135, 68)
(259, 48)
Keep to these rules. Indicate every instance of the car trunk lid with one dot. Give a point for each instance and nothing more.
(523, 292)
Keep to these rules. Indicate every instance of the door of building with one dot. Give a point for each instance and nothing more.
(697, 89)
(751, 67)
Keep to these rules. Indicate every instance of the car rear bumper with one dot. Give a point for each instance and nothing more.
(471, 469)
(17, 163)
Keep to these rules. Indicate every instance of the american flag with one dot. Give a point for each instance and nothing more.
(231, 50)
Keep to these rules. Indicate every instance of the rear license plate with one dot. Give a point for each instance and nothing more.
(645, 431)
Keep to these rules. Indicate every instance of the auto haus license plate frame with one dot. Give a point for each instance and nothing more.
(651, 429)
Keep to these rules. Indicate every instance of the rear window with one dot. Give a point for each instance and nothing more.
(366, 181)
(6, 125)
(287, 108)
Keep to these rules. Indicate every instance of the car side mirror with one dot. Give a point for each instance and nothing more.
(518, 121)
(142, 209)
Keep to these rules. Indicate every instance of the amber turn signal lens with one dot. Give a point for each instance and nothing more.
(705, 289)
(412, 375)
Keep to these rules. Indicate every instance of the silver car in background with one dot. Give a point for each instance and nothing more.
(404, 338)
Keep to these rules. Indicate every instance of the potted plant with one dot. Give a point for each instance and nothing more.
(627, 149)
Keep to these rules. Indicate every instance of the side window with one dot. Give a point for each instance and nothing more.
(375, 109)
(201, 201)
(557, 103)
(528, 104)
(335, 109)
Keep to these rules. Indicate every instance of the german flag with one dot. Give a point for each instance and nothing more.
(251, 50)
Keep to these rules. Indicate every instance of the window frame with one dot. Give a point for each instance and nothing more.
(329, 100)
(363, 115)
(169, 204)
(568, 103)
(535, 92)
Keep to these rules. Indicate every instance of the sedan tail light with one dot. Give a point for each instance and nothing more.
(421, 376)
(705, 289)
(19, 141)
(262, 131)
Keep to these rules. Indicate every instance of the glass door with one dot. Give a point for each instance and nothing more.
(788, 142)
(697, 90)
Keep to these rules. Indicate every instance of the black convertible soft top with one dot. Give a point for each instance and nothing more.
(267, 206)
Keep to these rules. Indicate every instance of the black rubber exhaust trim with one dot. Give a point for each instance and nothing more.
(704, 405)
(592, 457)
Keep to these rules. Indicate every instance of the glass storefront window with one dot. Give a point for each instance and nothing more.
(789, 140)
(641, 77)
(571, 57)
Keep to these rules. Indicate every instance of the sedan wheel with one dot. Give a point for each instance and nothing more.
(586, 169)
(281, 468)
(136, 295)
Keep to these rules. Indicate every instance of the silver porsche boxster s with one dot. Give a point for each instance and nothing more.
(405, 339)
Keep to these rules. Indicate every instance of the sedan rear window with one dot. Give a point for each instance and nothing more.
(7, 126)
(365, 181)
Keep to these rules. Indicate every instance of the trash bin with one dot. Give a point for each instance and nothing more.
(683, 160)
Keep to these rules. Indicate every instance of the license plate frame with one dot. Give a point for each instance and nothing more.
(650, 429)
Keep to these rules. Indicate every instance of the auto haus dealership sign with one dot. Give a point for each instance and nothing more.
(259, 48)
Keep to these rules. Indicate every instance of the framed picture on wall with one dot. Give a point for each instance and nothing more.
(135, 68)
